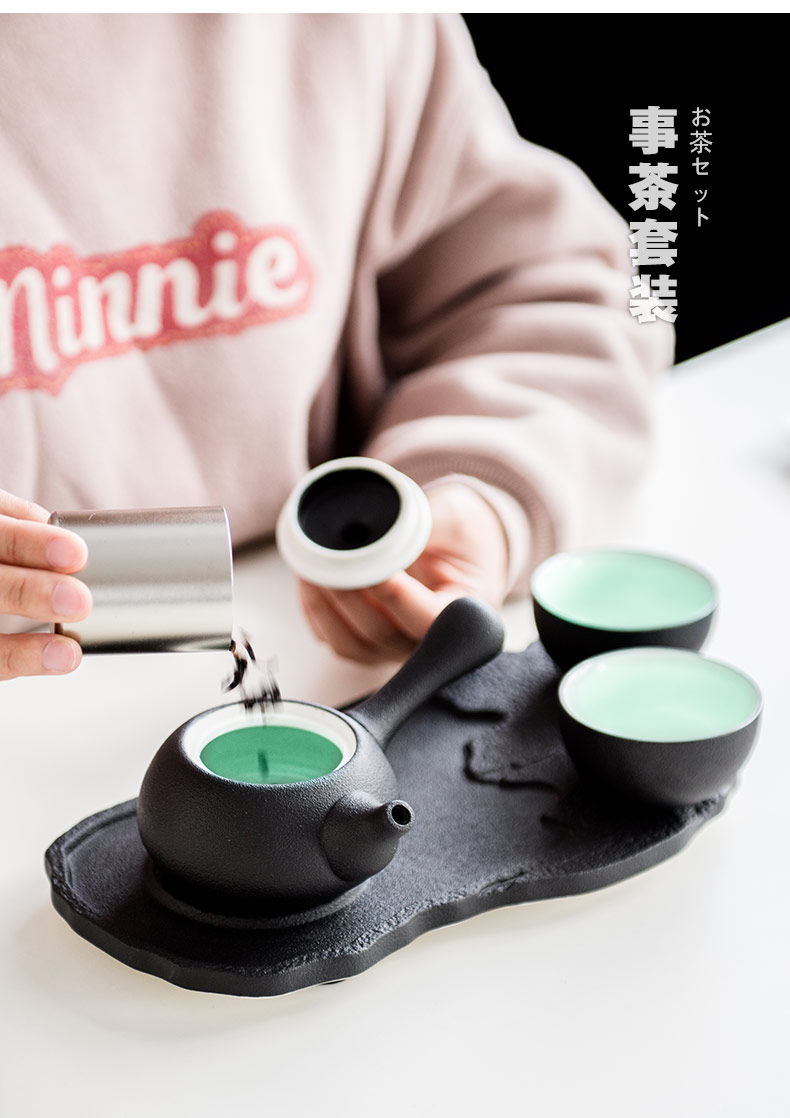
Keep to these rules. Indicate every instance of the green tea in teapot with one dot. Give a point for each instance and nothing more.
(271, 754)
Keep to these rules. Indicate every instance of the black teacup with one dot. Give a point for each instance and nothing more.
(591, 601)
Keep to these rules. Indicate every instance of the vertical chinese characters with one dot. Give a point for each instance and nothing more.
(653, 296)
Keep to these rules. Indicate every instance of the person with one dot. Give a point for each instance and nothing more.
(232, 247)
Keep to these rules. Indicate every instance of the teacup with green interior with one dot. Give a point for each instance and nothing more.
(592, 601)
(662, 724)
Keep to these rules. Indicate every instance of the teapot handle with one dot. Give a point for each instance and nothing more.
(467, 633)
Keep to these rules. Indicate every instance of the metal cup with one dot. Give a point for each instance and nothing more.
(161, 579)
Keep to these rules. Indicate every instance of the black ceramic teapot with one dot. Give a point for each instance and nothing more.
(317, 813)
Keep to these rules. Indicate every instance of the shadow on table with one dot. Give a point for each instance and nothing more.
(85, 981)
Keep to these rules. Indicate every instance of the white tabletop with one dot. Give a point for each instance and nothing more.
(667, 994)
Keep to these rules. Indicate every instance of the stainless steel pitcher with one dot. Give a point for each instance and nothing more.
(161, 579)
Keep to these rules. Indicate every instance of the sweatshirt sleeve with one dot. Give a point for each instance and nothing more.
(501, 313)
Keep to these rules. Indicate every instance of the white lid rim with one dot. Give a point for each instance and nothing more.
(371, 564)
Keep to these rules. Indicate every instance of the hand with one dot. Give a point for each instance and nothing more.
(34, 558)
(466, 554)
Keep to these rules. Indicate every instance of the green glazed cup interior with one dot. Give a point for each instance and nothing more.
(623, 591)
(659, 695)
(292, 743)
(271, 754)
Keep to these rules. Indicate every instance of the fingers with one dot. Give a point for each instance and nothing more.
(353, 626)
(37, 654)
(380, 623)
(36, 560)
(374, 627)
(467, 554)
(328, 627)
(31, 553)
(21, 509)
(43, 595)
(411, 606)
(25, 543)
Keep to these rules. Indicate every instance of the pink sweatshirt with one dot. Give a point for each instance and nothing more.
(234, 246)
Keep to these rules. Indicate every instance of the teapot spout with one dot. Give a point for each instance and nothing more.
(360, 835)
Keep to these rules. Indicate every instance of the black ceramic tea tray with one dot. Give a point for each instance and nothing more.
(501, 817)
